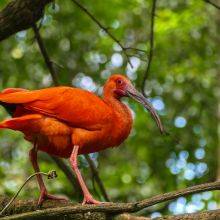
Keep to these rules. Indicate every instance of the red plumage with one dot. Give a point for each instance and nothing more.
(65, 121)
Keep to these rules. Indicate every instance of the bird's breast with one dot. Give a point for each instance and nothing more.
(121, 129)
(112, 134)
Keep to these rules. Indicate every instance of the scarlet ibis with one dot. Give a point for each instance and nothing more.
(66, 122)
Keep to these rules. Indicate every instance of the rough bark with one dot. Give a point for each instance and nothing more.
(207, 215)
(218, 143)
(19, 15)
(30, 211)
(56, 210)
(218, 110)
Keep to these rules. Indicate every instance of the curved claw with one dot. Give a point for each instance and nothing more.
(45, 196)
(90, 200)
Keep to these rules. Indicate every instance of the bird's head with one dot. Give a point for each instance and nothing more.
(120, 86)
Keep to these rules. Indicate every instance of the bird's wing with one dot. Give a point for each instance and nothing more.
(76, 107)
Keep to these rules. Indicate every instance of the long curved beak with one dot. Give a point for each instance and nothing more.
(133, 93)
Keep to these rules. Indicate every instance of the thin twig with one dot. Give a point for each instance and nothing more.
(179, 193)
(58, 161)
(97, 178)
(150, 56)
(212, 3)
(44, 53)
(138, 56)
(119, 207)
(106, 30)
(51, 175)
(136, 49)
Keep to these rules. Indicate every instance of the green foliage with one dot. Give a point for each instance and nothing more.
(183, 85)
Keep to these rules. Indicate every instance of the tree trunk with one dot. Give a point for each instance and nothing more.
(19, 15)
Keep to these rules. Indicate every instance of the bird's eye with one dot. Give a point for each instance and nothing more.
(119, 81)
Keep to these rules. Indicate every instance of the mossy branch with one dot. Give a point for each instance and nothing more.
(52, 210)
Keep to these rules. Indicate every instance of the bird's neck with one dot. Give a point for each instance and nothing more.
(114, 102)
(122, 122)
(122, 111)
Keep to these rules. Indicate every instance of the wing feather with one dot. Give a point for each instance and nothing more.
(77, 107)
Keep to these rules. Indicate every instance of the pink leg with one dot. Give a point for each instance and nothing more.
(43, 191)
(88, 199)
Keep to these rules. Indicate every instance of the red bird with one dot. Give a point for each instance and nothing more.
(66, 122)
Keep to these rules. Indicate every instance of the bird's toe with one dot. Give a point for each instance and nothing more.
(60, 198)
(45, 196)
(90, 200)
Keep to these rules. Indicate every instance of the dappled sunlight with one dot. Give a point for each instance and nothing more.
(180, 122)
(182, 86)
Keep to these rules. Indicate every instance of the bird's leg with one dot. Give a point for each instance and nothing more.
(43, 191)
(88, 199)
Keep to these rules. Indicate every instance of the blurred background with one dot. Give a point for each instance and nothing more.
(183, 85)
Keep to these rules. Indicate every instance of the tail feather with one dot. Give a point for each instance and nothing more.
(12, 90)
(10, 108)
(2, 126)
(19, 123)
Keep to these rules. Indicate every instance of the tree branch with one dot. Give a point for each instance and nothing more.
(207, 215)
(150, 56)
(212, 3)
(69, 174)
(106, 30)
(19, 15)
(107, 208)
(45, 55)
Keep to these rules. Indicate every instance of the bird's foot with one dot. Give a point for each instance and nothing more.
(45, 196)
(89, 200)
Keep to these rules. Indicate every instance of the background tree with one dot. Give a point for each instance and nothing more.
(183, 85)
